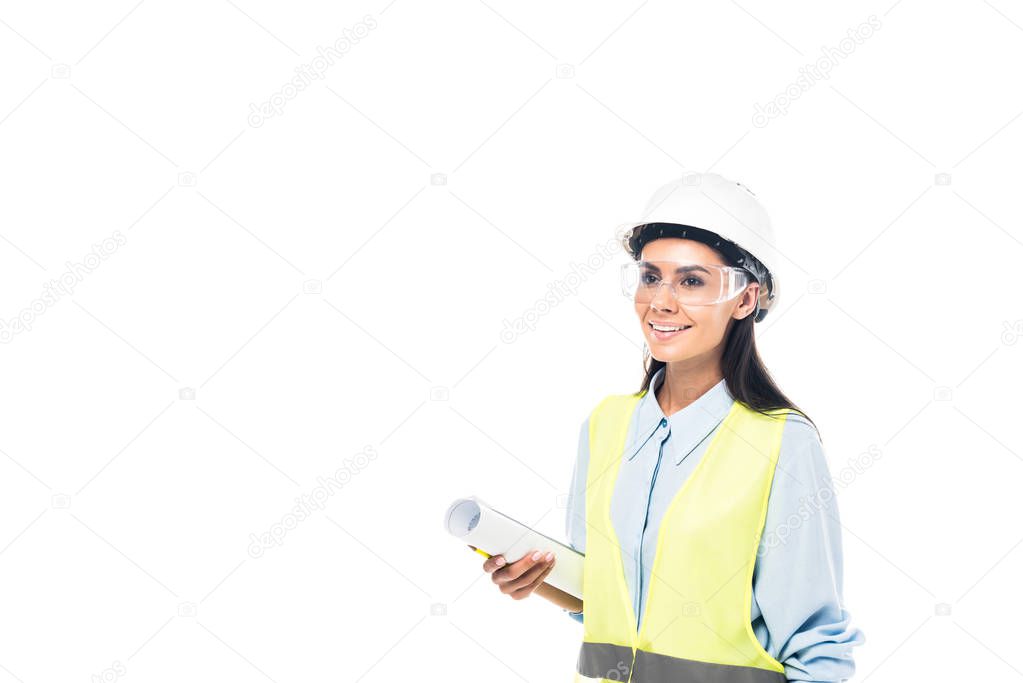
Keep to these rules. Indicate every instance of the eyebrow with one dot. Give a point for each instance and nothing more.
(683, 269)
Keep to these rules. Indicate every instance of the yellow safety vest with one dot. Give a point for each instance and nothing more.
(696, 625)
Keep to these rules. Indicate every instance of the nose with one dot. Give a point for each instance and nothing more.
(664, 298)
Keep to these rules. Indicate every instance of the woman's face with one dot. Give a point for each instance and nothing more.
(708, 324)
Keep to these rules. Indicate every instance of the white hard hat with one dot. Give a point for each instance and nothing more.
(721, 213)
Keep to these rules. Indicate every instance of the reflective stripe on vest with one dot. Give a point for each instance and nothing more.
(696, 625)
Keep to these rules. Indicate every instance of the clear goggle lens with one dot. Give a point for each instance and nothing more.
(693, 284)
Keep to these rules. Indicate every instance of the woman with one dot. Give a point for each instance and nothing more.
(703, 502)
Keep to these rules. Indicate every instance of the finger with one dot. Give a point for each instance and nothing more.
(528, 576)
(493, 563)
(528, 589)
(517, 568)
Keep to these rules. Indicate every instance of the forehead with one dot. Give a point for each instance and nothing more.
(679, 249)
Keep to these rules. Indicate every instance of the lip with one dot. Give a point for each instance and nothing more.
(665, 336)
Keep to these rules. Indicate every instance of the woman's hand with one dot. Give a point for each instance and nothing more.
(519, 579)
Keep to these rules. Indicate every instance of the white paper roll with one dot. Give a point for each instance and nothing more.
(474, 522)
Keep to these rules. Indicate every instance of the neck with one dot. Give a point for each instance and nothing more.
(681, 385)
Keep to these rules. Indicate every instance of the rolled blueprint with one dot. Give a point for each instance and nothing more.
(473, 521)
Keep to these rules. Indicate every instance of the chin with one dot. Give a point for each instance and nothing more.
(666, 355)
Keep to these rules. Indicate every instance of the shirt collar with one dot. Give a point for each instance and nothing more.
(688, 426)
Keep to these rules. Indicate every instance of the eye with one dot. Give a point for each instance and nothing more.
(695, 282)
(648, 278)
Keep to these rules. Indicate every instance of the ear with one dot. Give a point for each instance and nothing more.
(747, 301)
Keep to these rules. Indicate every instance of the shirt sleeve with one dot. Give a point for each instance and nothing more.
(575, 506)
(808, 630)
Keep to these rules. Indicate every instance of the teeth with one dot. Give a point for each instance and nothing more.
(662, 328)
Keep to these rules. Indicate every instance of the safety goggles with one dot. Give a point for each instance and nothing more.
(692, 284)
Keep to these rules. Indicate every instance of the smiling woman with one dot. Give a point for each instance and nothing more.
(713, 304)
(674, 485)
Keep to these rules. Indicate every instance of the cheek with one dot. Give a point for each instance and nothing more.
(712, 321)
(704, 316)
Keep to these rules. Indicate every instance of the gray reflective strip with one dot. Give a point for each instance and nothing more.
(651, 667)
(604, 660)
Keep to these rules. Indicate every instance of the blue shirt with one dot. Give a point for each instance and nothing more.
(796, 611)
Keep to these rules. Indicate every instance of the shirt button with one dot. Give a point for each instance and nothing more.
(664, 421)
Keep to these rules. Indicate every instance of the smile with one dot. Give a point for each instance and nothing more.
(663, 332)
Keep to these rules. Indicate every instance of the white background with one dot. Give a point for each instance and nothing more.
(337, 279)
